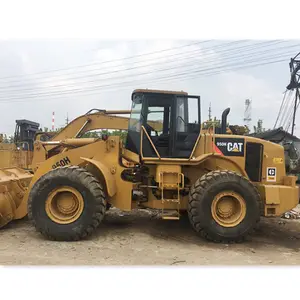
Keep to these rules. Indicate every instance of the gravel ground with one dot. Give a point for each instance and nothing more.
(138, 238)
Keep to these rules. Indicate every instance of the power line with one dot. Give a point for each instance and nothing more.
(287, 121)
(92, 88)
(285, 109)
(196, 52)
(149, 59)
(290, 117)
(213, 73)
(165, 62)
(108, 61)
(192, 63)
(215, 48)
(95, 89)
(289, 114)
(187, 72)
(282, 103)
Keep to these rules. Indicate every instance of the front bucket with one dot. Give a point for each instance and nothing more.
(13, 185)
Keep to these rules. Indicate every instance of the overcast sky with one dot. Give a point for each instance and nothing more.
(71, 77)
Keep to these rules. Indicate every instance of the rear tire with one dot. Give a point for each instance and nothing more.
(58, 226)
(216, 224)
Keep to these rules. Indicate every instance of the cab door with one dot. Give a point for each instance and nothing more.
(157, 126)
(186, 125)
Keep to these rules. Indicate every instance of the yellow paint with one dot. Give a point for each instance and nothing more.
(64, 205)
(278, 160)
(109, 179)
(104, 160)
(228, 209)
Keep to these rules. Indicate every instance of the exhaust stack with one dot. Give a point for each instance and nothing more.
(224, 120)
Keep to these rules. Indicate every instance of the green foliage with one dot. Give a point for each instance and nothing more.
(92, 134)
(239, 130)
(121, 134)
(210, 123)
(46, 129)
(98, 134)
(7, 139)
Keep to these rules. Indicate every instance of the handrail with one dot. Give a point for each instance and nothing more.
(153, 146)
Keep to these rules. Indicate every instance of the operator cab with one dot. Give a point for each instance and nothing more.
(24, 134)
(163, 124)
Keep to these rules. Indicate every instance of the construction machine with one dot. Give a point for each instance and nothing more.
(19, 153)
(224, 182)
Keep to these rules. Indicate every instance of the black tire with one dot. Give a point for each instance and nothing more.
(201, 197)
(93, 197)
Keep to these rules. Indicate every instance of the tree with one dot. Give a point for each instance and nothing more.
(209, 124)
(122, 134)
(91, 134)
(97, 134)
(7, 139)
(239, 130)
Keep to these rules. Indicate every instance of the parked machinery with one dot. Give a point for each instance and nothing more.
(225, 182)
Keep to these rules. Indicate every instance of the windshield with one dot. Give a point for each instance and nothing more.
(135, 117)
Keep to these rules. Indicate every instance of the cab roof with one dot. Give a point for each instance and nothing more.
(159, 92)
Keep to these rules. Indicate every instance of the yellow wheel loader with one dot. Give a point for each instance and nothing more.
(224, 182)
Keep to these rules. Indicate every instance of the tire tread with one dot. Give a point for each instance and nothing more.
(196, 195)
(80, 175)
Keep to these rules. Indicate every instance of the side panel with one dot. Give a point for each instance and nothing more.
(273, 169)
(246, 152)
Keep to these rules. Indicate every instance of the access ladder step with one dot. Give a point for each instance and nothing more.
(170, 215)
(170, 218)
(171, 200)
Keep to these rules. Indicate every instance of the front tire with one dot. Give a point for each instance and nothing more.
(224, 207)
(66, 204)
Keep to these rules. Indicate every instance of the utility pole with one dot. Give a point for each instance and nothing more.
(295, 109)
(67, 119)
(295, 84)
(247, 113)
(209, 112)
(53, 120)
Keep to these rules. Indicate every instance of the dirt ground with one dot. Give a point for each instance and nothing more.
(139, 238)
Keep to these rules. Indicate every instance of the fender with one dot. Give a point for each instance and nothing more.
(226, 163)
(110, 181)
(232, 165)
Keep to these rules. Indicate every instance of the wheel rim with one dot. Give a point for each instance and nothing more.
(228, 209)
(64, 205)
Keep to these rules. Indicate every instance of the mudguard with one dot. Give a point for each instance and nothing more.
(109, 179)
